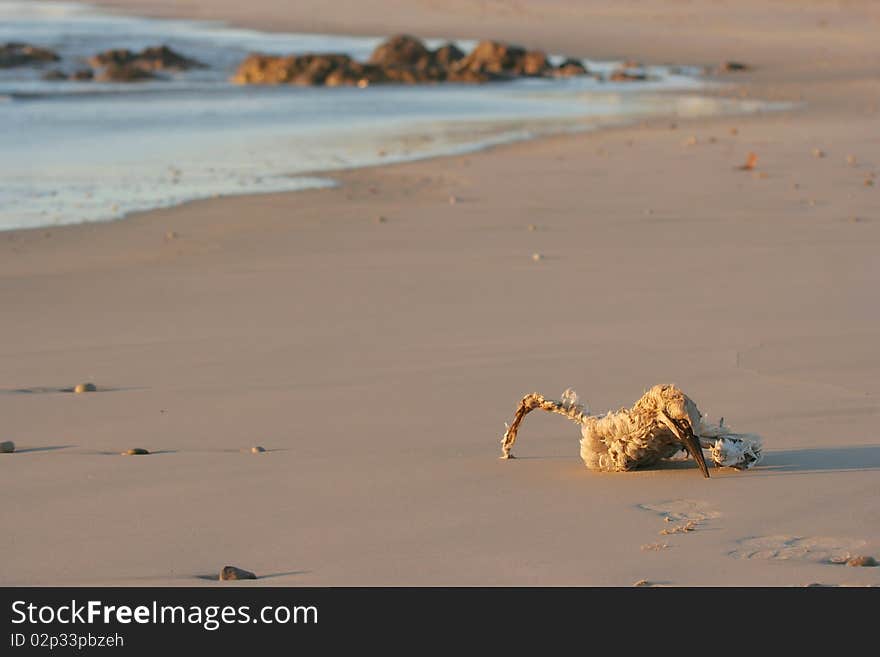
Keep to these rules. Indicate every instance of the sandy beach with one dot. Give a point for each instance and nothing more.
(377, 360)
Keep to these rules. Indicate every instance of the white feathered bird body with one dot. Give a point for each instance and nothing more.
(660, 424)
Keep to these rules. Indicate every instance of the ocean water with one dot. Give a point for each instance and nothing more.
(74, 152)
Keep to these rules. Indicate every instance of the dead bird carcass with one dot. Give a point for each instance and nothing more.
(659, 425)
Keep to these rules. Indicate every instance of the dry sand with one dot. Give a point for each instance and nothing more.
(377, 362)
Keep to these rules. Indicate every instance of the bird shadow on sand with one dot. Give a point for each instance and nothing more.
(821, 459)
(865, 458)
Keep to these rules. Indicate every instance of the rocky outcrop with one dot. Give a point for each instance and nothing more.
(404, 59)
(14, 54)
(155, 58)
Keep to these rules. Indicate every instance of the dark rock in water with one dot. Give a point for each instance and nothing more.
(492, 57)
(233, 573)
(502, 59)
(401, 51)
(733, 67)
(54, 75)
(306, 70)
(535, 63)
(446, 56)
(570, 68)
(155, 58)
(117, 57)
(81, 75)
(623, 75)
(469, 76)
(124, 73)
(14, 54)
(163, 58)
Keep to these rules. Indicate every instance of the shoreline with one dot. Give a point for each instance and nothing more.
(377, 361)
(335, 176)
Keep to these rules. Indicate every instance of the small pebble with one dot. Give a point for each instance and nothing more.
(85, 387)
(863, 561)
(734, 131)
(170, 236)
(453, 200)
(135, 451)
(818, 152)
(257, 449)
(642, 583)
(233, 572)
(691, 141)
(381, 220)
(7, 447)
(532, 228)
(851, 160)
(537, 256)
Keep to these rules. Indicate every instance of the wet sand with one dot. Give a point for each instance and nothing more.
(377, 361)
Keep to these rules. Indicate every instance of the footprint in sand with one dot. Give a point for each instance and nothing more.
(683, 516)
(817, 549)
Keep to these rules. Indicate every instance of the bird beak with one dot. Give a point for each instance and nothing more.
(693, 445)
(690, 441)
